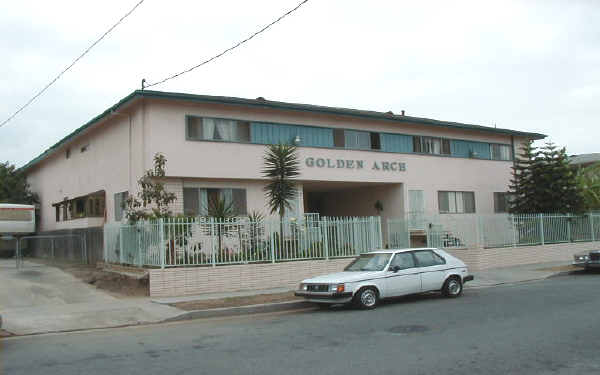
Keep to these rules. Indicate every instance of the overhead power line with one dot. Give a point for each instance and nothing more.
(73, 63)
(228, 49)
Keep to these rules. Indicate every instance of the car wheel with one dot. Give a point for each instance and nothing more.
(366, 298)
(452, 287)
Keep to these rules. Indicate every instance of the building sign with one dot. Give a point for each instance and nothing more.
(392, 166)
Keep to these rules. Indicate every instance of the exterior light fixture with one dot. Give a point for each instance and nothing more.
(297, 140)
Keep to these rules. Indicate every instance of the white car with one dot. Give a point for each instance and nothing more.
(388, 273)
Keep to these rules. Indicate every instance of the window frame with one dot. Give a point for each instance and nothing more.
(121, 210)
(455, 203)
(246, 123)
(412, 255)
(434, 255)
(499, 147)
(506, 198)
(195, 212)
(422, 142)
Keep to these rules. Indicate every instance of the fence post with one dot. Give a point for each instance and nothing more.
(569, 227)
(161, 231)
(326, 239)
(85, 257)
(592, 227)
(121, 249)
(541, 217)
(514, 228)
(271, 241)
(379, 231)
(18, 253)
(212, 242)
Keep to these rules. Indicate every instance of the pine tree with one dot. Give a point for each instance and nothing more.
(543, 182)
(522, 185)
(561, 192)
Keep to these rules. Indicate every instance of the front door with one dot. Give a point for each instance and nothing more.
(416, 213)
(405, 281)
(432, 268)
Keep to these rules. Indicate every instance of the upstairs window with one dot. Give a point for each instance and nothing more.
(216, 129)
(431, 145)
(356, 140)
(500, 152)
(456, 202)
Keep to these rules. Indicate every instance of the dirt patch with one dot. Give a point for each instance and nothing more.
(565, 268)
(236, 301)
(114, 283)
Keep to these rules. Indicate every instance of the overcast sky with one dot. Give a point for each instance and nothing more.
(528, 65)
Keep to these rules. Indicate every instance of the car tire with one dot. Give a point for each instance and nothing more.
(366, 298)
(452, 287)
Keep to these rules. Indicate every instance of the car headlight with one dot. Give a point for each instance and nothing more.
(337, 288)
(303, 287)
(581, 258)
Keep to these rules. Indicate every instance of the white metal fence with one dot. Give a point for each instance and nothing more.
(495, 230)
(206, 241)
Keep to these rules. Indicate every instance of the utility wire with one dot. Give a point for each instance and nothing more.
(228, 49)
(73, 63)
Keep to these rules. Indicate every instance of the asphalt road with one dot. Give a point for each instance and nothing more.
(544, 327)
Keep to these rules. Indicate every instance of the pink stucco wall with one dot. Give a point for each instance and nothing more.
(122, 147)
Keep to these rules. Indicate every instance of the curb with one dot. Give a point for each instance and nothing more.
(242, 310)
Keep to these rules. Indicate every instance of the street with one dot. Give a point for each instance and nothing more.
(542, 327)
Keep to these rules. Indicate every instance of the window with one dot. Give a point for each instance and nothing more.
(502, 202)
(500, 152)
(403, 260)
(196, 201)
(68, 153)
(431, 145)
(57, 208)
(215, 129)
(456, 202)
(357, 140)
(120, 199)
(369, 262)
(428, 258)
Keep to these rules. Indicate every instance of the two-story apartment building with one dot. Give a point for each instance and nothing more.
(350, 159)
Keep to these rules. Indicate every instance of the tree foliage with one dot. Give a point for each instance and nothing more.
(543, 182)
(14, 187)
(588, 179)
(152, 200)
(281, 166)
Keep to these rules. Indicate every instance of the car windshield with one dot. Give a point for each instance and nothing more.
(369, 262)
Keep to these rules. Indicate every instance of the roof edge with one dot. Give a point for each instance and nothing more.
(77, 131)
(275, 105)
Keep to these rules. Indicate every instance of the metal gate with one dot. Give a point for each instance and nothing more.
(50, 248)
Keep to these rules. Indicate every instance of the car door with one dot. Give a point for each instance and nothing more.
(406, 280)
(432, 268)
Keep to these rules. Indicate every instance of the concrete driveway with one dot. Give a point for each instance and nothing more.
(40, 298)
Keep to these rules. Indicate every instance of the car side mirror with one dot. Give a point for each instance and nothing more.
(395, 268)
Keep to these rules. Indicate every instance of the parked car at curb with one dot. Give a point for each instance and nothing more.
(587, 260)
(381, 274)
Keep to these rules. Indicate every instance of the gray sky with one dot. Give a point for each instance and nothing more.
(529, 65)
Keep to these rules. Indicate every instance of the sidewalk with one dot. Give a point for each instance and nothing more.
(44, 299)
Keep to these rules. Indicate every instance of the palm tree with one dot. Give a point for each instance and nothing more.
(281, 165)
